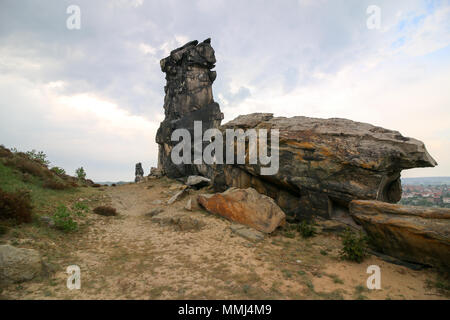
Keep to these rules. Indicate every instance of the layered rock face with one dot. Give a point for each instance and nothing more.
(414, 234)
(188, 98)
(325, 163)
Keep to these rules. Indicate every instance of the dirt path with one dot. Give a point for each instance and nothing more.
(133, 257)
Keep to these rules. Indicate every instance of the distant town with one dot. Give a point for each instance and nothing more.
(428, 192)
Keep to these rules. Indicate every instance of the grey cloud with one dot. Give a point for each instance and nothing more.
(259, 44)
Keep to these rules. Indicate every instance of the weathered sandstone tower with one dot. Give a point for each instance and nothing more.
(188, 98)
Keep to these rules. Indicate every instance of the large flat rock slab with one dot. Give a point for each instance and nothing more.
(325, 163)
(245, 206)
(414, 234)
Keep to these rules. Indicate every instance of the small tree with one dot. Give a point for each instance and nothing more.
(81, 174)
(39, 156)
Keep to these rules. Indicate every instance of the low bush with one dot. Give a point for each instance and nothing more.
(306, 229)
(55, 185)
(355, 247)
(26, 177)
(5, 153)
(16, 206)
(26, 166)
(105, 211)
(59, 171)
(63, 219)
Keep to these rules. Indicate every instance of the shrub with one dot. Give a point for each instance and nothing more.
(26, 166)
(5, 153)
(355, 246)
(306, 229)
(38, 156)
(26, 177)
(16, 206)
(81, 174)
(63, 219)
(105, 211)
(59, 171)
(96, 185)
(55, 185)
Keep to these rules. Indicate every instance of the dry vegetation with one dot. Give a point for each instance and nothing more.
(147, 252)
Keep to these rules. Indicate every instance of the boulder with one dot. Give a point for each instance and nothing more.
(413, 234)
(188, 98)
(19, 264)
(197, 181)
(245, 206)
(324, 163)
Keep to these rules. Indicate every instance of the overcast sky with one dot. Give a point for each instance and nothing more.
(93, 97)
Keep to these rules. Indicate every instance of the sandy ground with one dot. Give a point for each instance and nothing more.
(133, 257)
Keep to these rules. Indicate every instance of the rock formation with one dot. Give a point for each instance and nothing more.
(245, 206)
(197, 182)
(413, 234)
(138, 172)
(156, 172)
(188, 98)
(325, 163)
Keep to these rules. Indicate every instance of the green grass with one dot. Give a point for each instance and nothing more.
(45, 201)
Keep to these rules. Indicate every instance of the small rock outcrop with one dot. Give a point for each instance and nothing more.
(197, 182)
(413, 234)
(19, 264)
(177, 196)
(245, 206)
(139, 172)
(325, 163)
(188, 98)
(247, 233)
(181, 221)
(156, 172)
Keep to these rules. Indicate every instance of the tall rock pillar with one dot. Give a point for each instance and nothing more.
(188, 98)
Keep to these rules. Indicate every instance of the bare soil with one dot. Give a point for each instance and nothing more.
(130, 256)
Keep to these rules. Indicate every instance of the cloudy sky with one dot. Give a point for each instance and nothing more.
(93, 97)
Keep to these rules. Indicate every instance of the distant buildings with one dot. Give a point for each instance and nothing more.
(426, 195)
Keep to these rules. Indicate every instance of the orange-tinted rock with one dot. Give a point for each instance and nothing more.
(245, 206)
(324, 163)
(414, 234)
